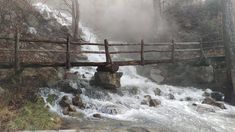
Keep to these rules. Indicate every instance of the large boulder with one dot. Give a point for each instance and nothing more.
(77, 101)
(65, 101)
(108, 80)
(212, 102)
(67, 105)
(217, 96)
(69, 86)
(108, 68)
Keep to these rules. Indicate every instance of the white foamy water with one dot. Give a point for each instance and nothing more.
(125, 105)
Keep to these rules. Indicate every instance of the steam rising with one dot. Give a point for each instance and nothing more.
(129, 20)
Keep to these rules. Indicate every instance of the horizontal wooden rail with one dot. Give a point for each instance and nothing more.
(43, 41)
(187, 43)
(75, 64)
(187, 50)
(83, 43)
(211, 42)
(68, 51)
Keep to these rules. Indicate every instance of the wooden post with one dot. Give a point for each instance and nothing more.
(173, 51)
(202, 55)
(68, 63)
(142, 52)
(108, 57)
(17, 47)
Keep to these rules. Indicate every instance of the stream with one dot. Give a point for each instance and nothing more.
(123, 109)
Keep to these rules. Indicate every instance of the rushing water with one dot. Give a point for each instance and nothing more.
(177, 115)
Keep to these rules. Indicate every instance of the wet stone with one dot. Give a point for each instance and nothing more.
(97, 115)
(157, 92)
(112, 110)
(68, 86)
(72, 108)
(65, 102)
(213, 102)
(171, 96)
(77, 101)
(218, 96)
(154, 102)
(107, 80)
(188, 99)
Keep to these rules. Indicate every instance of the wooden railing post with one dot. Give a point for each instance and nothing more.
(108, 57)
(17, 47)
(142, 52)
(173, 51)
(68, 63)
(202, 55)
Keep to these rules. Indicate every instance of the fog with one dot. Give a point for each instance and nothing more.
(119, 19)
(122, 20)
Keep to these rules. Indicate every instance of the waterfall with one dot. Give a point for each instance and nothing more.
(177, 115)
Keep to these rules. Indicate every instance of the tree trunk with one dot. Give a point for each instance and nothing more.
(75, 19)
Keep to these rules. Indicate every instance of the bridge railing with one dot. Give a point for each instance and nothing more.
(173, 48)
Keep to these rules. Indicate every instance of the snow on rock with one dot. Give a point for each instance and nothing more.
(48, 13)
(32, 30)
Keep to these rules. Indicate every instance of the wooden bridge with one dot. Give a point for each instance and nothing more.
(173, 52)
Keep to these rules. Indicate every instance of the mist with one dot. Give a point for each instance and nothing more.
(121, 20)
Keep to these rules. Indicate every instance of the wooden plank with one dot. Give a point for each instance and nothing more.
(7, 38)
(187, 50)
(108, 57)
(187, 43)
(16, 54)
(148, 44)
(6, 50)
(142, 52)
(35, 50)
(123, 45)
(173, 51)
(157, 44)
(126, 52)
(201, 50)
(77, 64)
(150, 51)
(83, 43)
(68, 65)
(42, 41)
(93, 52)
(211, 42)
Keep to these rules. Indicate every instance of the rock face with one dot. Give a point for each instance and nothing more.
(212, 102)
(108, 80)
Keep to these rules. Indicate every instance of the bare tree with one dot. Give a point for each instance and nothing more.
(73, 9)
